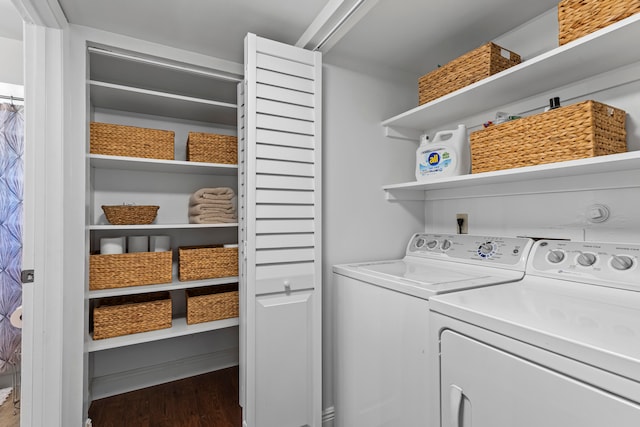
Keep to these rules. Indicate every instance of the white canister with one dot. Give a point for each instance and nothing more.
(159, 243)
(138, 244)
(112, 245)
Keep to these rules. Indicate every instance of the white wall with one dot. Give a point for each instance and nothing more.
(12, 69)
(359, 224)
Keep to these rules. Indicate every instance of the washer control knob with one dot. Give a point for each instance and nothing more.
(446, 244)
(420, 242)
(621, 262)
(555, 256)
(432, 244)
(486, 248)
(586, 259)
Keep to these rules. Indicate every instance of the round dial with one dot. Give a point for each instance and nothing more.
(432, 244)
(446, 244)
(621, 262)
(555, 256)
(586, 259)
(420, 242)
(486, 248)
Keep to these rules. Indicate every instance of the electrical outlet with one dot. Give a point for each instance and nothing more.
(464, 227)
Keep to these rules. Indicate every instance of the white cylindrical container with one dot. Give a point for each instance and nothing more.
(112, 245)
(159, 243)
(448, 154)
(138, 244)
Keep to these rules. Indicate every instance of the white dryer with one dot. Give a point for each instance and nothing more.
(560, 348)
(381, 323)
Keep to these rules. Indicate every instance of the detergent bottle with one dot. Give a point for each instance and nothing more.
(447, 154)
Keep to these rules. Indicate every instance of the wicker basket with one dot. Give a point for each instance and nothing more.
(134, 269)
(130, 141)
(212, 303)
(212, 148)
(585, 129)
(130, 214)
(471, 67)
(207, 262)
(577, 18)
(116, 316)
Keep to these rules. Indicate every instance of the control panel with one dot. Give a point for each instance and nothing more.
(487, 249)
(591, 262)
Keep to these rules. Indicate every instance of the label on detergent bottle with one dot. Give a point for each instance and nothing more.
(434, 162)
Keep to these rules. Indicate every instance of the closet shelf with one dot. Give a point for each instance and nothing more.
(104, 227)
(582, 169)
(607, 49)
(179, 328)
(101, 161)
(174, 285)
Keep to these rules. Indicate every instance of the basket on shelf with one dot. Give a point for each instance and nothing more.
(124, 315)
(212, 148)
(131, 141)
(207, 262)
(131, 269)
(577, 18)
(585, 129)
(467, 69)
(130, 214)
(211, 303)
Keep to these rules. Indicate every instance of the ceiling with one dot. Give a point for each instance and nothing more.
(10, 21)
(413, 36)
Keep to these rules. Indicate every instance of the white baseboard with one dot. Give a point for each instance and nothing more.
(135, 379)
(328, 415)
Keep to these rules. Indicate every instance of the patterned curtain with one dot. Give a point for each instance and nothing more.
(11, 191)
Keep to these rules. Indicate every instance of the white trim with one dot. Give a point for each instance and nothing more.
(47, 13)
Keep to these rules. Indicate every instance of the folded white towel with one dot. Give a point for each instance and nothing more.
(210, 219)
(205, 195)
(203, 209)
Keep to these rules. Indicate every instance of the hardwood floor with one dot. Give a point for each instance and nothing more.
(208, 400)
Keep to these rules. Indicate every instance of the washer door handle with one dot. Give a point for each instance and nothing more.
(455, 405)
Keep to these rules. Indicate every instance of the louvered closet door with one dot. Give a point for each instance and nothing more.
(280, 231)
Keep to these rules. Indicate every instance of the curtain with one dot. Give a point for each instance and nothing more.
(11, 197)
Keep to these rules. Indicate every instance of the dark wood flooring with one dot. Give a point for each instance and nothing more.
(208, 400)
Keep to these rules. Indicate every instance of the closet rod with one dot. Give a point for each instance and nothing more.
(13, 98)
(163, 64)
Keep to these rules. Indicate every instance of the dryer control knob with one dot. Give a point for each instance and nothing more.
(446, 244)
(621, 262)
(555, 256)
(420, 242)
(586, 259)
(486, 248)
(432, 244)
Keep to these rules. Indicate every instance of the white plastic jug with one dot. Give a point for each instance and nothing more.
(448, 154)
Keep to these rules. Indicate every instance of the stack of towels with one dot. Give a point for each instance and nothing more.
(213, 205)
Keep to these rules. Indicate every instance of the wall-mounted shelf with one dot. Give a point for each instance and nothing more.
(586, 168)
(100, 161)
(178, 329)
(104, 227)
(174, 285)
(612, 47)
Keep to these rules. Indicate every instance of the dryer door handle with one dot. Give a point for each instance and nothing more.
(455, 405)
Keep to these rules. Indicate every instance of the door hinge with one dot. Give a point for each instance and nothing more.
(27, 276)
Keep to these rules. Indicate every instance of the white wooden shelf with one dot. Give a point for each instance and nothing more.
(586, 168)
(101, 161)
(137, 100)
(105, 227)
(179, 328)
(612, 47)
(174, 285)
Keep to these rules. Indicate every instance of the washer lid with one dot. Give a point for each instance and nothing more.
(595, 325)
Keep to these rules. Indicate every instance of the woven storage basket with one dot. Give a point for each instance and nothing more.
(207, 262)
(577, 18)
(212, 148)
(134, 269)
(116, 316)
(585, 129)
(130, 141)
(130, 214)
(212, 303)
(469, 68)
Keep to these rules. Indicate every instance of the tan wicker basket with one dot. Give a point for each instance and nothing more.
(469, 68)
(585, 129)
(124, 315)
(134, 269)
(212, 148)
(130, 141)
(577, 18)
(130, 214)
(212, 303)
(207, 262)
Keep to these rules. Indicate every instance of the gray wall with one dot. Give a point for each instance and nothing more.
(12, 69)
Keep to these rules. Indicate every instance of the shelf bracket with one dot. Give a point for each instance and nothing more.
(393, 195)
(398, 132)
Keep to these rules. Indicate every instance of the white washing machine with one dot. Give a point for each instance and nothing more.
(560, 348)
(381, 325)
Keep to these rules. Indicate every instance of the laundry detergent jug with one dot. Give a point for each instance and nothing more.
(448, 154)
